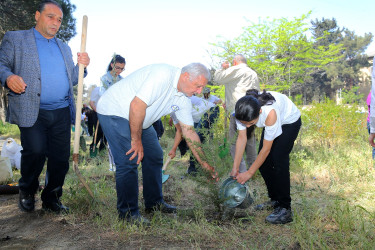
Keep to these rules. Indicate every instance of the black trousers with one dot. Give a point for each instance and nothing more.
(99, 136)
(48, 138)
(275, 169)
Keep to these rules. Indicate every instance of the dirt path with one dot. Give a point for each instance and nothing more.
(42, 230)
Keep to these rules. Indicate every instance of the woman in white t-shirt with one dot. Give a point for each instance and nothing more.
(281, 121)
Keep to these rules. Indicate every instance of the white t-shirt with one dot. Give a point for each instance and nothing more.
(96, 94)
(200, 106)
(156, 85)
(213, 99)
(286, 111)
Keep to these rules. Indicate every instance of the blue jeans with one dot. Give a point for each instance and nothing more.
(373, 149)
(117, 132)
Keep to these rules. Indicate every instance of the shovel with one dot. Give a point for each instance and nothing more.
(78, 111)
(93, 148)
(164, 177)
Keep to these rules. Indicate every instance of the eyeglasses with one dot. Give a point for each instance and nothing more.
(119, 68)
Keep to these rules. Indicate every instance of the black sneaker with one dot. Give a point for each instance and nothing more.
(26, 202)
(162, 207)
(280, 216)
(269, 205)
(136, 219)
(55, 207)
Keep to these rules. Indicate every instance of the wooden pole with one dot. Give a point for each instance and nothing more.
(77, 131)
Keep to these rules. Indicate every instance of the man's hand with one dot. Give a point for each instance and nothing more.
(225, 65)
(371, 139)
(16, 84)
(83, 58)
(137, 148)
(211, 170)
(172, 153)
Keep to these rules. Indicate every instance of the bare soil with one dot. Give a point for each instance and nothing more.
(44, 230)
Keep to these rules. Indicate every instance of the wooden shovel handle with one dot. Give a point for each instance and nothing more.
(80, 89)
(166, 163)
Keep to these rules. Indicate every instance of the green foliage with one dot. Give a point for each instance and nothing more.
(297, 99)
(9, 130)
(351, 96)
(20, 15)
(344, 73)
(280, 52)
(328, 124)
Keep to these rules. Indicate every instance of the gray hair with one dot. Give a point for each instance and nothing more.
(240, 58)
(196, 69)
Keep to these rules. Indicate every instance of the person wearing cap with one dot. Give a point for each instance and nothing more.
(211, 98)
(237, 80)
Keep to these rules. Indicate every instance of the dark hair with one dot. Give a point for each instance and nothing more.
(248, 107)
(43, 4)
(264, 98)
(114, 60)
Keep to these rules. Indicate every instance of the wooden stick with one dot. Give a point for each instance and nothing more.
(77, 131)
(166, 163)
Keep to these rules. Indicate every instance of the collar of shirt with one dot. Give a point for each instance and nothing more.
(39, 36)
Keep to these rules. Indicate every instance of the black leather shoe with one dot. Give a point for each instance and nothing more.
(137, 220)
(269, 205)
(280, 216)
(26, 202)
(55, 207)
(162, 207)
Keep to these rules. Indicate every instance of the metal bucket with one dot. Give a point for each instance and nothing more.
(235, 194)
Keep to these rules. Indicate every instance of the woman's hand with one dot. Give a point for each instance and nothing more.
(244, 177)
(234, 173)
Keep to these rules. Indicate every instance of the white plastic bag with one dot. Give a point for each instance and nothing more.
(5, 169)
(12, 150)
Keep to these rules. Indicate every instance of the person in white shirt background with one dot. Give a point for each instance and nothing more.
(115, 67)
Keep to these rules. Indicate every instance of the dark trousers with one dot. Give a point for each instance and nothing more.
(91, 121)
(183, 147)
(159, 128)
(275, 169)
(48, 138)
(99, 136)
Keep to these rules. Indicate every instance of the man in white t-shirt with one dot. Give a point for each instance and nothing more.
(127, 111)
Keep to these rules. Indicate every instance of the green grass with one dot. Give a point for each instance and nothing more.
(333, 195)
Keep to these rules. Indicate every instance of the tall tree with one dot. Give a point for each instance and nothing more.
(19, 15)
(280, 51)
(344, 73)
